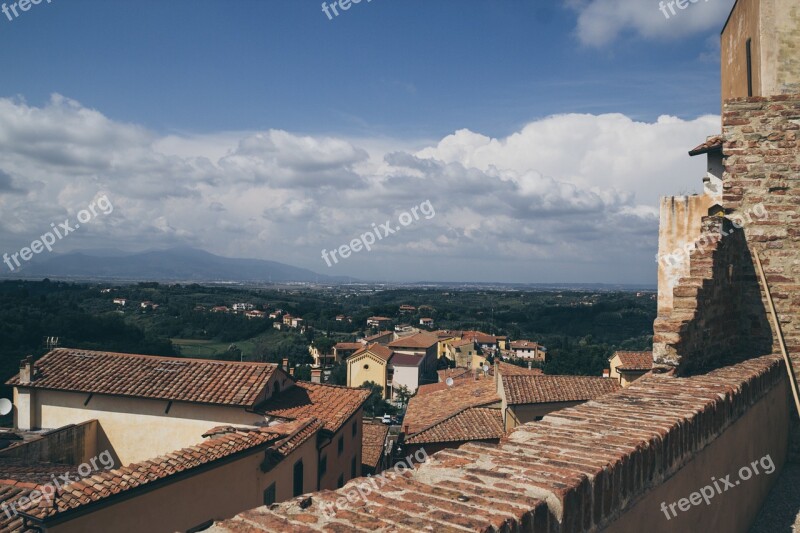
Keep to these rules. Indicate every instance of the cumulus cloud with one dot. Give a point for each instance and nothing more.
(569, 197)
(602, 21)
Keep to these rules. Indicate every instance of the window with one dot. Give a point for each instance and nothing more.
(355, 428)
(366, 367)
(749, 52)
(298, 479)
(340, 482)
(323, 465)
(353, 468)
(269, 495)
(340, 445)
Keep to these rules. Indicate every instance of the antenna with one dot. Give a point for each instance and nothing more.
(449, 382)
(5, 406)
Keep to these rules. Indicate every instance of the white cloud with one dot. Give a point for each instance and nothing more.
(602, 21)
(569, 197)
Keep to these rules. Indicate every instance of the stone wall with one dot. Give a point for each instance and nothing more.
(763, 173)
(718, 317)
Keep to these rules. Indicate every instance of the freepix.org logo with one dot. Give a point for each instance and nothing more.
(17, 8)
(58, 232)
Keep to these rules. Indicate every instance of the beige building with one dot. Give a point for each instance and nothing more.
(528, 398)
(627, 367)
(759, 49)
(371, 363)
(529, 351)
(145, 407)
(231, 470)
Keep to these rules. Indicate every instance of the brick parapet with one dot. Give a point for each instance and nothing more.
(578, 469)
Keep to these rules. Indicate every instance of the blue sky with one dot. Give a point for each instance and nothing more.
(176, 89)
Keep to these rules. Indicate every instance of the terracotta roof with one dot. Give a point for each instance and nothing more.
(284, 438)
(507, 369)
(402, 359)
(480, 337)
(549, 389)
(9, 496)
(462, 342)
(379, 350)
(711, 144)
(635, 360)
(427, 410)
(474, 423)
(418, 340)
(15, 471)
(446, 333)
(373, 439)
(378, 335)
(454, 373)
(524, 345)
(348, 346)
(145, 376)
(331, 404)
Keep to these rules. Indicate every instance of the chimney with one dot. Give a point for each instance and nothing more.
(291, 371)
(606, 373)
(285, 364)
(26, 370)
(530, 365)
(316, 375)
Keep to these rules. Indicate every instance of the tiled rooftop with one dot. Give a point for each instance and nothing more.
(575, 470)
(146, 376)
(283, 438)
(331, 404)
(418, 340)
(474, 423)
(430, 409)
(712, 143)
(382, 352)
(10, 496)
(507, 369)
(404, 359)
(373, 437)
(548, 389)
(635, 360)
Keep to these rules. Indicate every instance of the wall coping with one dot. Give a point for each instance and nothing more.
(576, 470)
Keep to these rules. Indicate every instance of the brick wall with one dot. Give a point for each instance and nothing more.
(718, 317)
(763, 169)
(580, 469)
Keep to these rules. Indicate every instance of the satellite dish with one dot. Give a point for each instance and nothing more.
(485, 368)
(449, 382)
(5, 406)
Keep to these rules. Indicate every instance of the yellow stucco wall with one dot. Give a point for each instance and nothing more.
(134, 429)
(522, 414)
(213, 495)
(357, 374)
(341, 464)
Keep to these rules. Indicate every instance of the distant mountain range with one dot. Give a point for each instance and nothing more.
(177, 264)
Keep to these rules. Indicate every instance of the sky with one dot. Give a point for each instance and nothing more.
(536, 135)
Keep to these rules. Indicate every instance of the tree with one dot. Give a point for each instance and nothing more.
(403, 394)
(375, 404)
(338, 375)
(324, 344)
